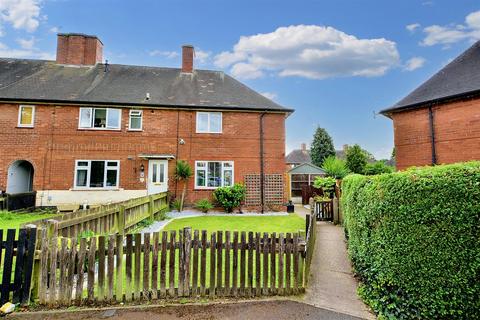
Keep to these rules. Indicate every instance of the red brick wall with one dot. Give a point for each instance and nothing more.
(79, 49)
(55, 142)
(457, 134)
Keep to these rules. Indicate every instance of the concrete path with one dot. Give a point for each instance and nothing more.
(331, 284)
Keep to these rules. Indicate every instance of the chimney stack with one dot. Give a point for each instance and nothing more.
(304, 146)
(79, 49)
(187, 58)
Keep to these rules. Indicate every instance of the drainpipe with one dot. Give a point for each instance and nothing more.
(432, 135)
(176, 153)
(262, 164)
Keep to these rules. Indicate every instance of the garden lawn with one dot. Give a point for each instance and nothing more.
(11, 220)
(291, 223)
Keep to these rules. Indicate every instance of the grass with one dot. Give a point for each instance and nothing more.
(291, 223)
(13, 220)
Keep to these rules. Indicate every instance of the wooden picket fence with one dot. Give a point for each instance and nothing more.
(17, 265)
(107, 219)
(118, 268)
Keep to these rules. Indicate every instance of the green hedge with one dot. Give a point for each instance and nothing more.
(414, 240)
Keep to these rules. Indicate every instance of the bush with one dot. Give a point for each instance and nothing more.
(327, 184)
(377, 167)
(230, 197)
(413, 237)
(204, 205)
(335, 167)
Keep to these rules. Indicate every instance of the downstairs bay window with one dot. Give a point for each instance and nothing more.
(96, 174)
(213, 174)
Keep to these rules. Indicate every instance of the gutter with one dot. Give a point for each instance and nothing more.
(144, 105)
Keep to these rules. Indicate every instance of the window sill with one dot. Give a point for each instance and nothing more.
(25, 127)
(98, 129)
(135, 130)
(201, 132)
(96, 189)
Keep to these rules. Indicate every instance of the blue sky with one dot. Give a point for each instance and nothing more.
(335, 62)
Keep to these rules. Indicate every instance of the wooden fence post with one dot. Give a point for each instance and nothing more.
(151, 208)
(121, 220)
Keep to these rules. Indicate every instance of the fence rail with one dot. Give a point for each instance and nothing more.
(114, 218)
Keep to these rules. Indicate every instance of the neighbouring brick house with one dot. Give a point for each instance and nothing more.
(78, 131)
(439, 122)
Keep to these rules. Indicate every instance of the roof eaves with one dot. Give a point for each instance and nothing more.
(464, 95)
(145, 104)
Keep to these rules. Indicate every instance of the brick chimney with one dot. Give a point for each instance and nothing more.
(79, 49)
(187, 58)
(304, 147)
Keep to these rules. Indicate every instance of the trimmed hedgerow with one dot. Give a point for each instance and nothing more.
(414, 240)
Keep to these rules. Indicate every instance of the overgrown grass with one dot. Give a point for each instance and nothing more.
(13, 220)
(291, 223)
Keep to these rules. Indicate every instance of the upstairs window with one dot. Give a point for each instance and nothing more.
(213, 174)
(26, 116)
(96, 174)
(209, 122)
(100, 118)
(135, 123)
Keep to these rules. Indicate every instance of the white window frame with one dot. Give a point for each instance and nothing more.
(199, 113)
(19, 124)
(88, 168)
(223, 169)
(130, 120)
(92, 117)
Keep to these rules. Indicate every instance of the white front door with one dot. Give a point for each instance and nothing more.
(157, 176)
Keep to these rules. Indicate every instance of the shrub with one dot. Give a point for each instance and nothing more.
(413, 237)
(177, 204)
(204, 205)
(356, 159)
(335, 167)
(327, 184)
(377, 167)
(230, 197)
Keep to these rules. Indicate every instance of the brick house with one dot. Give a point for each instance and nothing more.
(439, 122)
(77, 130)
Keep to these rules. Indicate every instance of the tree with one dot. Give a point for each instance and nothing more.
(377, 167)
(356, 159)
(322, 147)
(183, 172)
(335, 167)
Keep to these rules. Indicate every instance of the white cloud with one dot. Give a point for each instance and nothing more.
(414, 63)
(412, 27)
(270, 95)
(202, 56)
(449, 34)
(26, 43)
(54, 30)
(308, 51)
(32, 53)
(166, 54)
(21, 14)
